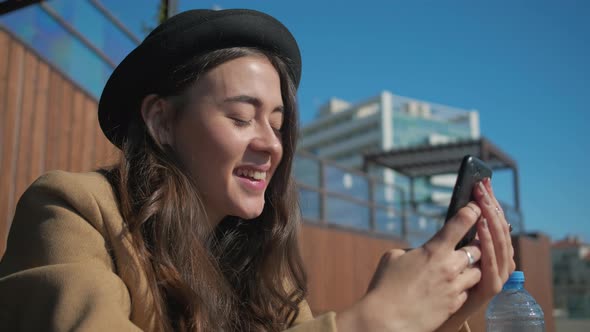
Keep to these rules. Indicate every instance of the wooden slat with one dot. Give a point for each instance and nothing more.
(100, 146)
(76, 131)
(88, 136)
(12, 110)
(65, 126)
(4, 53)
(340, 265)
(53, 120)
(106, 154)
(25, 137)
(39, 127)
(5, 49)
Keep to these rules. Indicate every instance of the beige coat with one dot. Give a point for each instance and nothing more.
(69, 264)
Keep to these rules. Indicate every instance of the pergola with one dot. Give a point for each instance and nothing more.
(429, 160)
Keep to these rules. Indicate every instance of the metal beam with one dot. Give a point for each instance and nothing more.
(12, 5)
(428, 160)
(116, 22)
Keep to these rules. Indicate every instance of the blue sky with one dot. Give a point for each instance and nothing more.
(525, 65)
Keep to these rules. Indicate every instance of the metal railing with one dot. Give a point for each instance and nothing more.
(333, 195)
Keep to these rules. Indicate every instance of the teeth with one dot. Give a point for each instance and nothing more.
(251, 174)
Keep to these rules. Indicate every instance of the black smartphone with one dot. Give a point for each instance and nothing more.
(471, 171)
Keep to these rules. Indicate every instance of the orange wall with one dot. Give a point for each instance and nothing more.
(340, 264)
(533, 257)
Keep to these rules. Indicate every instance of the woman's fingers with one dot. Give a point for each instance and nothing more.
(392, 254)
(470, 255)
(488, 184)
(455, 229)
(462, 284)
(469, 278)
(489, 266)
(496, 227)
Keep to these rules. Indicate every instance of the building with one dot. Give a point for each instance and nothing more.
(344, 132)
(571, 277)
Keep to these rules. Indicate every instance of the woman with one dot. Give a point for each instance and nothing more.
(196, 228)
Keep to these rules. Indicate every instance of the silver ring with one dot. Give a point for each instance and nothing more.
(509, 228)
(470, 258)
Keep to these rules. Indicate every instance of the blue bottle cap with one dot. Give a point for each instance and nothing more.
(516, 276)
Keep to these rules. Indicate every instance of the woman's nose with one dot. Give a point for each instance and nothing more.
(267, 140)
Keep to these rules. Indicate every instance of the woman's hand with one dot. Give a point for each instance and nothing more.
(497, 255)
(420, 289)
(497, 261)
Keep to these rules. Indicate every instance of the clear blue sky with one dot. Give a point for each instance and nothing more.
(525, 65)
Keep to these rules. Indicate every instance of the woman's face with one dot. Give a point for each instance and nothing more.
(228, 135)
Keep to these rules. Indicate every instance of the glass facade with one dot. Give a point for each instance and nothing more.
(95, 27)
(415, 122)
(411, 130)
(84, 39)
(341, 181)
(347, 213)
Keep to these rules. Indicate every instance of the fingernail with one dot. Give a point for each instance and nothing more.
(488, 184)
(484, 193)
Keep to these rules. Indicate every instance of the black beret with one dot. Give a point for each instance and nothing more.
(176, 40)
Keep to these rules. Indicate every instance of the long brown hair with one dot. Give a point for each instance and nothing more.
(242, 275)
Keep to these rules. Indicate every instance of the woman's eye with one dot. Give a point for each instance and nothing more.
(241, 123)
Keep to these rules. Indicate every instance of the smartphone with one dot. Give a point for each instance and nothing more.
(471, 171)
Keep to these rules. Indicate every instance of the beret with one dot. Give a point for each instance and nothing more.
(176, 40)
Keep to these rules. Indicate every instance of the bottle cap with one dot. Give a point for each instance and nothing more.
(516, 276)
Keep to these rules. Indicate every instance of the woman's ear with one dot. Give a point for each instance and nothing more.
(158, 116)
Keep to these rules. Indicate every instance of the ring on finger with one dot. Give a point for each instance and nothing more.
(470, 258)
(509, 228)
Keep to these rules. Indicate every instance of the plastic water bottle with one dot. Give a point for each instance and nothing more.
(514, 309)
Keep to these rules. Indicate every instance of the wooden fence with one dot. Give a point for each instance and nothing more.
(46, 123)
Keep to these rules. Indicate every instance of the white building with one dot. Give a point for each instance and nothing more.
(571, 276)
(343, 132)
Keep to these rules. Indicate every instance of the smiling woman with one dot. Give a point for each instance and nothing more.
(195, 228)
(200, 164)
(229, 128)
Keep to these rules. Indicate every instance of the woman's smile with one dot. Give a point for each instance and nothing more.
(252, 178)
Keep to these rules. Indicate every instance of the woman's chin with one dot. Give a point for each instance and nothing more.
(250, 213)
(248, 207)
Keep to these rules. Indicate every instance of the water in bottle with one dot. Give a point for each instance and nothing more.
(514, 309)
